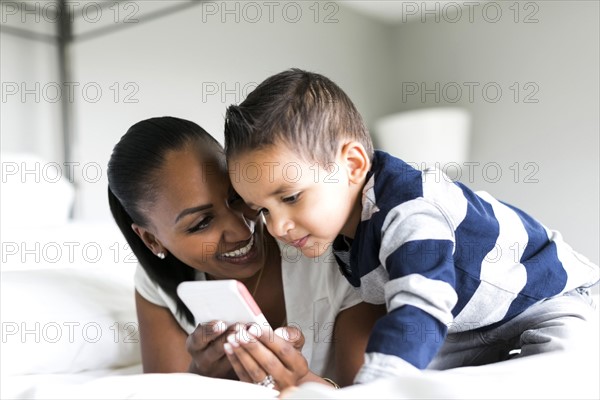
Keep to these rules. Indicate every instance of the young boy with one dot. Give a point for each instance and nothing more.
(466, 279)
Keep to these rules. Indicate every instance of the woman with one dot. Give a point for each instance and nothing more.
(170, 195)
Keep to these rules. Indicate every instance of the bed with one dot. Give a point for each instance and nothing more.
(69, 327)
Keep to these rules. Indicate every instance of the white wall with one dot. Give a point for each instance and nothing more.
(176, 63)
(555, 140)
(167, 66)
(30, 104)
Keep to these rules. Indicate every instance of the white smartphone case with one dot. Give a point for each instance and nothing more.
(225, 300)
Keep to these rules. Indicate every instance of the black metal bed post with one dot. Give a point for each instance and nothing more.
(64, 38)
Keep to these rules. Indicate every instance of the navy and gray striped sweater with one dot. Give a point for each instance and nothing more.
(446, 259)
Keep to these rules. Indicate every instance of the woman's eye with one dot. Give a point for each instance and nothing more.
(201, 225)
(291, 199)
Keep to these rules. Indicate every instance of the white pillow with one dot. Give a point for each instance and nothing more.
(35, 192)
(67, 320)
(77, 244)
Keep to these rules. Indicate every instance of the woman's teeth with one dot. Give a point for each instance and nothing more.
(241, 252)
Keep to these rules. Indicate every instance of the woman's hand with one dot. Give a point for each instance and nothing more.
(205, 345)
(255, 354)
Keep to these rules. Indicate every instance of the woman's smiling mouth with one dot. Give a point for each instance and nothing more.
(241, 251)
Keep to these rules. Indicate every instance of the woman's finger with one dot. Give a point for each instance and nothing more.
(221, 368)
(204, 334)
(205, 345)
(254, 353)
(214, 350)
(292, 335)
(281, 349)
(239, 369)
(252, 370)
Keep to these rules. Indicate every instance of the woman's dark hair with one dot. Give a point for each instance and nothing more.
(132, 186)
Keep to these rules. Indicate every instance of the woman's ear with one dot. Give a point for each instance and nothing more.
(355, 159)
(149, 239)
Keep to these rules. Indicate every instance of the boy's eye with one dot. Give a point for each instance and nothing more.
(291, 199)
(200, 226)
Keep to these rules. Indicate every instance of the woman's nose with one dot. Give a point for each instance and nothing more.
(237, 227)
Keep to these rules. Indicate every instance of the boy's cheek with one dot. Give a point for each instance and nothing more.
(315, 250)
(268, 225)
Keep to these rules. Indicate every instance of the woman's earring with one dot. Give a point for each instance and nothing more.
(161, 255)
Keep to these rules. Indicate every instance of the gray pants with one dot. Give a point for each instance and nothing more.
(567, 322)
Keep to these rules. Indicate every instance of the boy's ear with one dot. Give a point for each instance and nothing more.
(148, 238)
(356, 161)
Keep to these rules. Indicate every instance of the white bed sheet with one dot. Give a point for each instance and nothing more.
(128, 383)
(550, 376)
(28, 386)
(98, 290)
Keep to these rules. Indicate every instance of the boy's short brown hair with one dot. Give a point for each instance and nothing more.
(305, 111)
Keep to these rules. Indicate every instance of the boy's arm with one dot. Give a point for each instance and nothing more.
(417, 247)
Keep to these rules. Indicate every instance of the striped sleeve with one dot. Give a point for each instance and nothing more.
(416, 249)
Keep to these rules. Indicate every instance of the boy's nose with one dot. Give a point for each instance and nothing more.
(280, 225)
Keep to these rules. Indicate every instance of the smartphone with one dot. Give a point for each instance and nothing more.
(226, 300)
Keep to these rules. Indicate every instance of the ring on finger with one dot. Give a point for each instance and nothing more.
(267, 382)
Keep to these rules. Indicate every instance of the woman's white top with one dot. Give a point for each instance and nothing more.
(315, 292)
